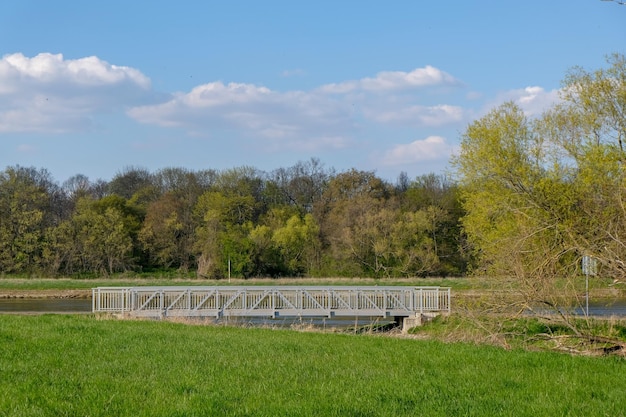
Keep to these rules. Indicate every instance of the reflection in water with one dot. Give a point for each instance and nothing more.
(43, 305)
(613, 307)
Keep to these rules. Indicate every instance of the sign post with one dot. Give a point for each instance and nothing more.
(590, 267)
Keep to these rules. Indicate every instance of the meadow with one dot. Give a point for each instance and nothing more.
(83, 365)
(37, 284)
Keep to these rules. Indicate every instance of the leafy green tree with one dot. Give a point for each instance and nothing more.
(225, 221)
(97, 238)
(342, 213)
(438, 197)
(367, 241)
(298, 244)
(268, 260)
(167, 233)
(268, 257)
(541, 194)
(27, 198)
(413, 243)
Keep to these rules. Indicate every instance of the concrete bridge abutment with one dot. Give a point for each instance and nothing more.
(407, 323)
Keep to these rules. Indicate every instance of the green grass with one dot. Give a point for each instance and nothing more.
(69, 284)
(63, 365)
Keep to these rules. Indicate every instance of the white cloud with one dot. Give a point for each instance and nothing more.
(306, 119)
(48, 93)
(51, 94)
(532, 100)
(430, 116)
(429, 149)
(394, 80)
(46, 67)
(256, 110)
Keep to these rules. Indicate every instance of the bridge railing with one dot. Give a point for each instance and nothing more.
(111, 299)
(286, 301)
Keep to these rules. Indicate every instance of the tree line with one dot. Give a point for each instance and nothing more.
(304, 220)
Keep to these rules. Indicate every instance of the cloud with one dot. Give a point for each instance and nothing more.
(429, 149)
(429, 116)
(257, 110)
(394, 80)
(532, 100)
(47, 93)
(46, 68)
(51, 94)
(306, 119)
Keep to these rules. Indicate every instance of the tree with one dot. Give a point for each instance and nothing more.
(184, 183)
(541, 194)
(225, 220)
(79, 186)
(129, 181)
(303, 184)
(97, 238)
(438, 197)
(342, 213)
(167, 233)
(28, 198)
(298, 244)
(266, 256)
(413, 242)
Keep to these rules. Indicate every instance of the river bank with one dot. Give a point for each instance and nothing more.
(85, 293)
(463, 288)
(45, 294)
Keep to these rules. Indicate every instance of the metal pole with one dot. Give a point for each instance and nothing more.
(587, 292)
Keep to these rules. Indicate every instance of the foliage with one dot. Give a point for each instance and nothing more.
(304, 220)
(27, 203)
(98, 237)
(167, 233)
(540, 194)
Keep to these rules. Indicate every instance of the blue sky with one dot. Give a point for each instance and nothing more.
(93, 87)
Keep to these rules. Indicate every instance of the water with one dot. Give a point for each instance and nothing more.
(45, 305)
(75, 305)
(604, 308)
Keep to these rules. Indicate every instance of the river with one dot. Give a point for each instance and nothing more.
(45, 305)
(604, 308)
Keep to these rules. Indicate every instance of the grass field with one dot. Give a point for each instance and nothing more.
(63, 365)
(39, 284)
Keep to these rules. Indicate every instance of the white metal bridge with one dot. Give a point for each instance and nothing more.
(280, 301)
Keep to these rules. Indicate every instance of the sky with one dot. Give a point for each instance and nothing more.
(97, 87)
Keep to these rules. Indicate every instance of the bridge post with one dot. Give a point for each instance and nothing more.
(407, 323)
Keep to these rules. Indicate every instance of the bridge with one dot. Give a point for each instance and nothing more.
(406, 304)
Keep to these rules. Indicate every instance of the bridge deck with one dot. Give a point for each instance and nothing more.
(280, 301)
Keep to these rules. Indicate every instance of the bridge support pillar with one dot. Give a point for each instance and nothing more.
(406, 323)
